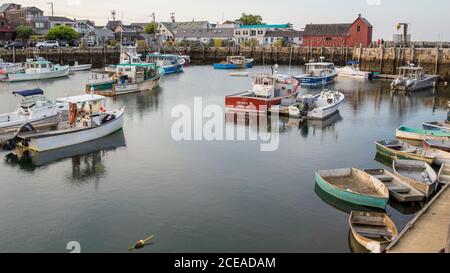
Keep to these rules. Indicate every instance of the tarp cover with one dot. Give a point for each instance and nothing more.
(31, 92)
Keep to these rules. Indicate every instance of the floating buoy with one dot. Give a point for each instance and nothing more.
(141, 243)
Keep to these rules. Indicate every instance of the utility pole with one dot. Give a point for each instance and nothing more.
(51, 4)
(113, 13)
(172, 16)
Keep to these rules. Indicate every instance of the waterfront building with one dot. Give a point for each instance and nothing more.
(289, 37)
(41, 25)
(205, 35)
(100, 36)
(339, 35)
(18, 15)
(258, 32)
(84, 27)
(170, 29)
(6, 30)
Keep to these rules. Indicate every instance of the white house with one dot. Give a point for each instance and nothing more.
(258, 32)
(290, 37)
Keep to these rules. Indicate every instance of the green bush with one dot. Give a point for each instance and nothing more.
(62, 33)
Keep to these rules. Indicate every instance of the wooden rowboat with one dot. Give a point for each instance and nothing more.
(436, 126)
(354, 186)
(420, 134)
(444, 174)
(374, 231)
(398, 189)
(403, 150)
(418, 174)
(443, 145)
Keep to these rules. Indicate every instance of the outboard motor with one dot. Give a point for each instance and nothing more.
(26, 128)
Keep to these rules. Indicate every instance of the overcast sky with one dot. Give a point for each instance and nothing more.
(429, 19)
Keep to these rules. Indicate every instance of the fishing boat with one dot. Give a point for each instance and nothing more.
(128, 55)
(88, 121)
(418, 174)
(268, 90)
(33, 109)
(235, 62)
(80, 67)
(319, 106)
(171, 63)
(39, 69)
(352, 70)
(443, 145)
(437, 126)
(354, 186)
(375, 231)
(420, 134)
(398, 189)
(318, 74)
(413, 78)
(444, 174)
(129, 78)
(7, 68)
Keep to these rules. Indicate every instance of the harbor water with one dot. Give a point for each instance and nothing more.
(200, 196)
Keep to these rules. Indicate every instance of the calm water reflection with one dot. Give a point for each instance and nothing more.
(199, 196)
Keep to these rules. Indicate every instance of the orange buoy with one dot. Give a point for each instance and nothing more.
(141, 243)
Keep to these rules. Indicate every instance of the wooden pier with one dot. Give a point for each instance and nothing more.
(429, 231)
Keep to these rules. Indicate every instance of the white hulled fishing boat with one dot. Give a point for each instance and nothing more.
(413, 78)
(88, 120)
(38, 69)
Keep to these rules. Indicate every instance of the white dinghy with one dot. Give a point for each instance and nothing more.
(88, 120)
(80, 67)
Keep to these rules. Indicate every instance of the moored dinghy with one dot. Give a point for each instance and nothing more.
(403, 150)
(398, 189)
(418, 174)
(436, 126)
(354, 186)
(374, 231)
(444, 174)
(443, 145)
(420, 135)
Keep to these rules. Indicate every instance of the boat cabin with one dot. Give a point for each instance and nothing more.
(236, 59)
(33, 98)
(317, 69)
(162, 59)
(135, 73)
(411, 72)
(85, 110)
(38, 66)
(271, 86)
(129, 55)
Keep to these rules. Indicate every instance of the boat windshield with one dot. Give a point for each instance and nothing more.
(32, 101)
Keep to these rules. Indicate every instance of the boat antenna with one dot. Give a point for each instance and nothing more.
(290, 59)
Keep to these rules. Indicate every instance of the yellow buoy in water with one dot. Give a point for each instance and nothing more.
(141, 243)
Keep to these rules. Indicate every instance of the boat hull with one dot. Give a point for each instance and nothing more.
(16, 77)
(436, 144)
(429, 82)
(426, 189)
(354, 74)
(172, 69)
(392, 154)
(83, 67)
(99, 86)
(421, 135)
(316, 81)
(436, 126)
(224, 66)
(351, 197)
(324, 113)
(123, 89)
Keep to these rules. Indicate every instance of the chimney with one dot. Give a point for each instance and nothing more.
(359, 15)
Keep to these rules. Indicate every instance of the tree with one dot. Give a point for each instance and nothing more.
(62, 32)
(218, 43)
(24, 32)
(280, 43)
(150, 28)
(250, 19)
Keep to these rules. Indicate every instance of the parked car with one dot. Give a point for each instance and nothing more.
(63, 43)
(48, 44)
(16, 44)
(128, 43)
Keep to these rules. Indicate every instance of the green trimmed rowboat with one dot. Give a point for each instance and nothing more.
(403, 150)
(354, 186)
(420, 134)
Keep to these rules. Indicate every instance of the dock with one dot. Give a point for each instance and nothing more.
(429, 231)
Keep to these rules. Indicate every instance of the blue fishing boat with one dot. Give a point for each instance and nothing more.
(171, 63)
(235, 62)
(318, 74)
